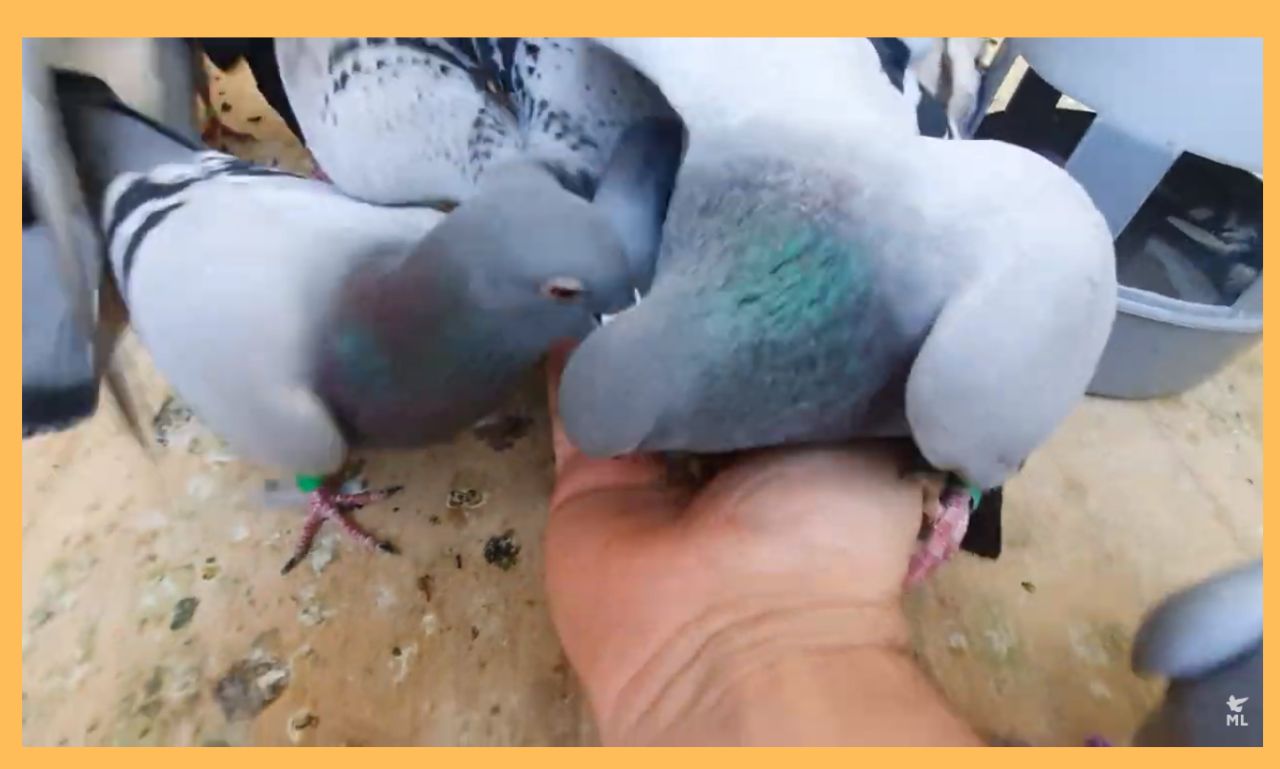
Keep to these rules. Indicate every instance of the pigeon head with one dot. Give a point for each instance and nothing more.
(526, 245)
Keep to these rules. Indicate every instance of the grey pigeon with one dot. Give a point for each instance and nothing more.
(66, 350)
(298, 322)
(826, 274)
(1207, 640)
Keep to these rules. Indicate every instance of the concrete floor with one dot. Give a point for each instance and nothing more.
(154, 612)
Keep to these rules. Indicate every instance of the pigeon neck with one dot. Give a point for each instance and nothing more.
(424, 276)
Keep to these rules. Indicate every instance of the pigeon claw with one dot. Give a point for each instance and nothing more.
(945, 530)
(327, 504)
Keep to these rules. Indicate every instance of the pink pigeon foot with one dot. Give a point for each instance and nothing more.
(329, 503)
(946, 525)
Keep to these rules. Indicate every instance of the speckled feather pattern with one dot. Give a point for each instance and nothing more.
(397, 120)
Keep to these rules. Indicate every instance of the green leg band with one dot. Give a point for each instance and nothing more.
(308, 483)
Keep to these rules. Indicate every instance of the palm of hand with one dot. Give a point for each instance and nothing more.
(642, 576)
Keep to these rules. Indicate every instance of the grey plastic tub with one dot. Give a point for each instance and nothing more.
(1163, 346)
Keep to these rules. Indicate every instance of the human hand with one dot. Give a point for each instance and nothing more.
(670, 602)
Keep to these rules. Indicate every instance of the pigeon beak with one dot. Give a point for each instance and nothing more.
(606, 319)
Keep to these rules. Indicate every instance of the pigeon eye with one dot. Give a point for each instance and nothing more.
(562, 289)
